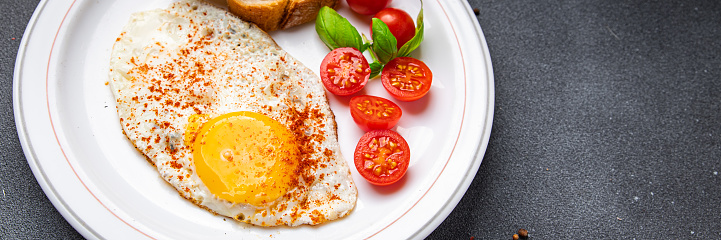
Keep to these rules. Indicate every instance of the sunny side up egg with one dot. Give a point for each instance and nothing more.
(233, 122)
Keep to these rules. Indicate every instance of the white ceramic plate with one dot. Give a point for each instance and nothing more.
(69, 130)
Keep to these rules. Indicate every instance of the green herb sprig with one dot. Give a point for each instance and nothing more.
(336, 32)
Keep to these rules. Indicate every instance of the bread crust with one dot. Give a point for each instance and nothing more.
(273, 15)
(303, 11)
(266, 14)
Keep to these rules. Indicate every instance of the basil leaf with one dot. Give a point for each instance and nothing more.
(412, 44)
(376, 68)
(384, 43)
(335, 31)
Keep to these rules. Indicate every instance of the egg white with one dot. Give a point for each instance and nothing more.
(191, 58)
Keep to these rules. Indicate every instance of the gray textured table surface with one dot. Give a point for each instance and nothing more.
(607, 125)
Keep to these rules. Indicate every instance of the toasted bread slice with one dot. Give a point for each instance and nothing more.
(303, 11)
(271, 15)
(267, 14)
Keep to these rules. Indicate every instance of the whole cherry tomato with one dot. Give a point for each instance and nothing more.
(344, 71)
(368, 7)
(399, 23)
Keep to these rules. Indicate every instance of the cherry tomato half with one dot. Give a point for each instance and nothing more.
(406, 78)
(368, 7)
(371, 112)
(399, 23)
(344, 71)
(382, 157)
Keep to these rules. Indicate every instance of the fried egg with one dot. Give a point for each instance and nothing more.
(234, 123)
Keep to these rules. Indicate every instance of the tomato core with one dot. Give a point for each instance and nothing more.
(382, 157)
(379, 160)
(371, 112)
(406, 78)
(344, 71)
(377, 109)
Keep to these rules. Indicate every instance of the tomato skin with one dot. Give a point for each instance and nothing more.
(389, 161)
(344, 71)
(371, 112)
(368, 7)
(399, 23)
(406, 78)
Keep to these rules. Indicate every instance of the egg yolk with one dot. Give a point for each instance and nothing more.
(246, 157)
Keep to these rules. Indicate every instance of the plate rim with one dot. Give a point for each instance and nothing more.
(480, 151)
(87, 231)
(31, 157)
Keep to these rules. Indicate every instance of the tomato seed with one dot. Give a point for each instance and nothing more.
(370, 166)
